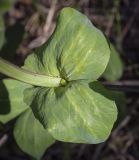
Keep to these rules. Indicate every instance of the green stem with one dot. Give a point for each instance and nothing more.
(28, 77)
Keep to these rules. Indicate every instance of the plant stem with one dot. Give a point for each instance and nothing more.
(29, 77)
(125, 86)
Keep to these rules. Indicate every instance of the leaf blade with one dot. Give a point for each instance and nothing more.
(75, 113)
(11, 99)
(30, 135)
(118, 96)
(114, 69)
(76, 50)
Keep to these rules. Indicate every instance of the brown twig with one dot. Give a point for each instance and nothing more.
(126, 86)
(3, 140)
(47, 29)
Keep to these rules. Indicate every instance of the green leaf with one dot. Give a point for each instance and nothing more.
(114, 68)
(76, 50)
(117, 96)
(74, 113)
(11, 99)
(30, 135)
(2, 31)
(5, 5)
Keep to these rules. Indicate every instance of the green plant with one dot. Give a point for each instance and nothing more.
(1, 32)
(59, 96)
(114, 70)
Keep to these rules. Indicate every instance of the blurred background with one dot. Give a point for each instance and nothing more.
(26, 24)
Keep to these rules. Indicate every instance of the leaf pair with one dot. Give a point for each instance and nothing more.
(78, 52)
(77, 111)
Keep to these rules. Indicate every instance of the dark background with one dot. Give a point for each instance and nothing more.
(32, 22)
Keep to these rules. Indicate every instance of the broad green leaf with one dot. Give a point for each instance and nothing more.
(11, 99)
(30, 135)
(76, 50)
(2, 30)
(114, 68)
(74, 113)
